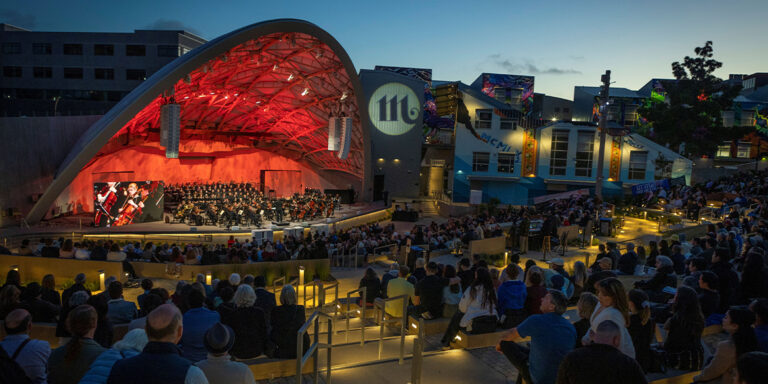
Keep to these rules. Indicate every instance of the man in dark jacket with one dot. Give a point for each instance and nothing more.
(728, 281)
(264, 299)
(601, 361)
(678, 260)
(628, 261)
(160, 361)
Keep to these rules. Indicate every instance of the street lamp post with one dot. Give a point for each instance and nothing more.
(606, 79)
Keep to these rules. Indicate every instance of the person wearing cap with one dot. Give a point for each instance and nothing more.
(556, 267)
(628, 261)
(218, 367)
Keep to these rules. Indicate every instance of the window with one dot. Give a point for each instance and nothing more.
(515, 96)
(42, 72)
(135, 50)
(480, 161)
(558, 158)
(500, 94)
(742, 151)
(135, 74)
(484, 117)
(168, 50)
(566, 110)
(585, 147)
(557, 109)
(104, 73)
(41, 48)
(103, 49)
(11, 71)
(506, 162)
(73, 73)
(73, 49)
(637, 163)
(724, 150)
(11, 48)
(507, 123)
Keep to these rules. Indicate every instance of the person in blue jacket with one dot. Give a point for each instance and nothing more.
(131, 345)
(511, 296)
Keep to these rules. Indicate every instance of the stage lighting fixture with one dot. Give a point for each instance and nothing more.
(346, 137)
(334, 131)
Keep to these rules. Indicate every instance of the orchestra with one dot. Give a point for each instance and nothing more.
(241, 204)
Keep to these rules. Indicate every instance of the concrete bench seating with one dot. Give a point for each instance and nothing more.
(469, 341)
(264, 368)
(431, 327)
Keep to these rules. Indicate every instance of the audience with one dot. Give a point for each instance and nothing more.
(372, 286)
(248, 324)
(614, 306)
(218, 367)
(641, 327)
(585, 308)
(601, 361)
(31, 355)
(479, 300)
(399, 286)
(738, 324)
(511, 295)
(120, 310)
(129, 346)
(70, 362)
(196, 321)
(751, 368)
(287, 319)
(452, 293)
(535, 291)
(683, 342)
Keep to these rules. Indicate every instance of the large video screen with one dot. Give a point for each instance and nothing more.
(118, 203)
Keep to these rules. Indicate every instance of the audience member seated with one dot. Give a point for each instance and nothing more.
(287, 319)
(613, 306)
(419, 272)
(13, 278)
(535, 291)
(372, 286)
(197, 320)
(79, 285)
(579, 280)
(760, 308)
(30, 354)
(754, 278)
(709, 299)
(641, 327)
(628, 261)
(478, 301)
(67, 250)
(50, 294)
(394, 272)
(120, 311)
(428, 293)
(115, 254)
(451, 294)
(678, 260)
(49, 250)
(512, 294)
(41, 310)
(552, 338)
(248, 324)
(738, 324)
(601, 361)
(556, 268)
(218, 367)
(751, 368)
(151, 301)
(585, 308)
(77, 299)
(605, 264)
(104, 328)
(146, 286)
(129, 346)
(727, 279)
(663, 277)
(10, 299)
(683, 341)
(160, 361)
(70, 362)
(398, 287)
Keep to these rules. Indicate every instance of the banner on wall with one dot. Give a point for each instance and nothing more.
(119, 203)
(561, 195)
(640, 189)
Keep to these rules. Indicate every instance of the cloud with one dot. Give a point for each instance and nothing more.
(529, 67)
(170, 24)
(14, 17)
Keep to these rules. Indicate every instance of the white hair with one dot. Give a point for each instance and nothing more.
(288, 295)
(234, 279)
(664, 261)
(136, 340)
(244, 297)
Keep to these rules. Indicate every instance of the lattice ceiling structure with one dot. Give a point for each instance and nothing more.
(275, 93)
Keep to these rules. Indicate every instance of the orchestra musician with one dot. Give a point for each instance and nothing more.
(105, 200)
(132, 206)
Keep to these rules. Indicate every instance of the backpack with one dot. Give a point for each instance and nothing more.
(10, 369)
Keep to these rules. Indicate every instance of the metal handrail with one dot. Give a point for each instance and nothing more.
(418, 358)
(274, 284)
(362, 316)
(382, 247)
(319, 291)
(313, 351)
(314, 292)
(381, 305)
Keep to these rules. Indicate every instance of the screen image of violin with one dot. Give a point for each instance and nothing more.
(118, 203)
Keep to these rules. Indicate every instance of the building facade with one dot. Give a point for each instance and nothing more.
(80, 73)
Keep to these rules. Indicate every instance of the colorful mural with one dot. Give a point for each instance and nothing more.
(524, 84)
(529, 153)
(615, 164)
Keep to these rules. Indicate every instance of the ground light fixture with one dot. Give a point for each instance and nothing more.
(301, 275)
(208, 278)
(101, 280)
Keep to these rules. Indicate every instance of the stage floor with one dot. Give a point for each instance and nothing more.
(81, 224)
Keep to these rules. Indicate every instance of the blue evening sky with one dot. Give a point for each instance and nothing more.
(561, 43)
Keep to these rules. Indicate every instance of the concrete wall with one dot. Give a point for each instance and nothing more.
(35, 268)
(271, 270)
(490, 246)
(33, 149)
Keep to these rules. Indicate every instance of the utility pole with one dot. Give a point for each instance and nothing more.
(606, 79)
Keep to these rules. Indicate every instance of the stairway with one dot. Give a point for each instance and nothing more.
(429, 208)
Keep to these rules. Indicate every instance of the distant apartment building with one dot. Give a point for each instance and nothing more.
(80, 73)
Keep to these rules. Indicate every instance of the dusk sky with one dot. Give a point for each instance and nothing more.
(561, 43)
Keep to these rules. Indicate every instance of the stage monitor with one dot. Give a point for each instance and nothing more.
(118, 203)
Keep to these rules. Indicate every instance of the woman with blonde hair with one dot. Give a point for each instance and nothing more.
(249, 324)
(613, 306)
(286, 320)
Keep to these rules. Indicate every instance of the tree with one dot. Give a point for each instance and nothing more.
(692, 110)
